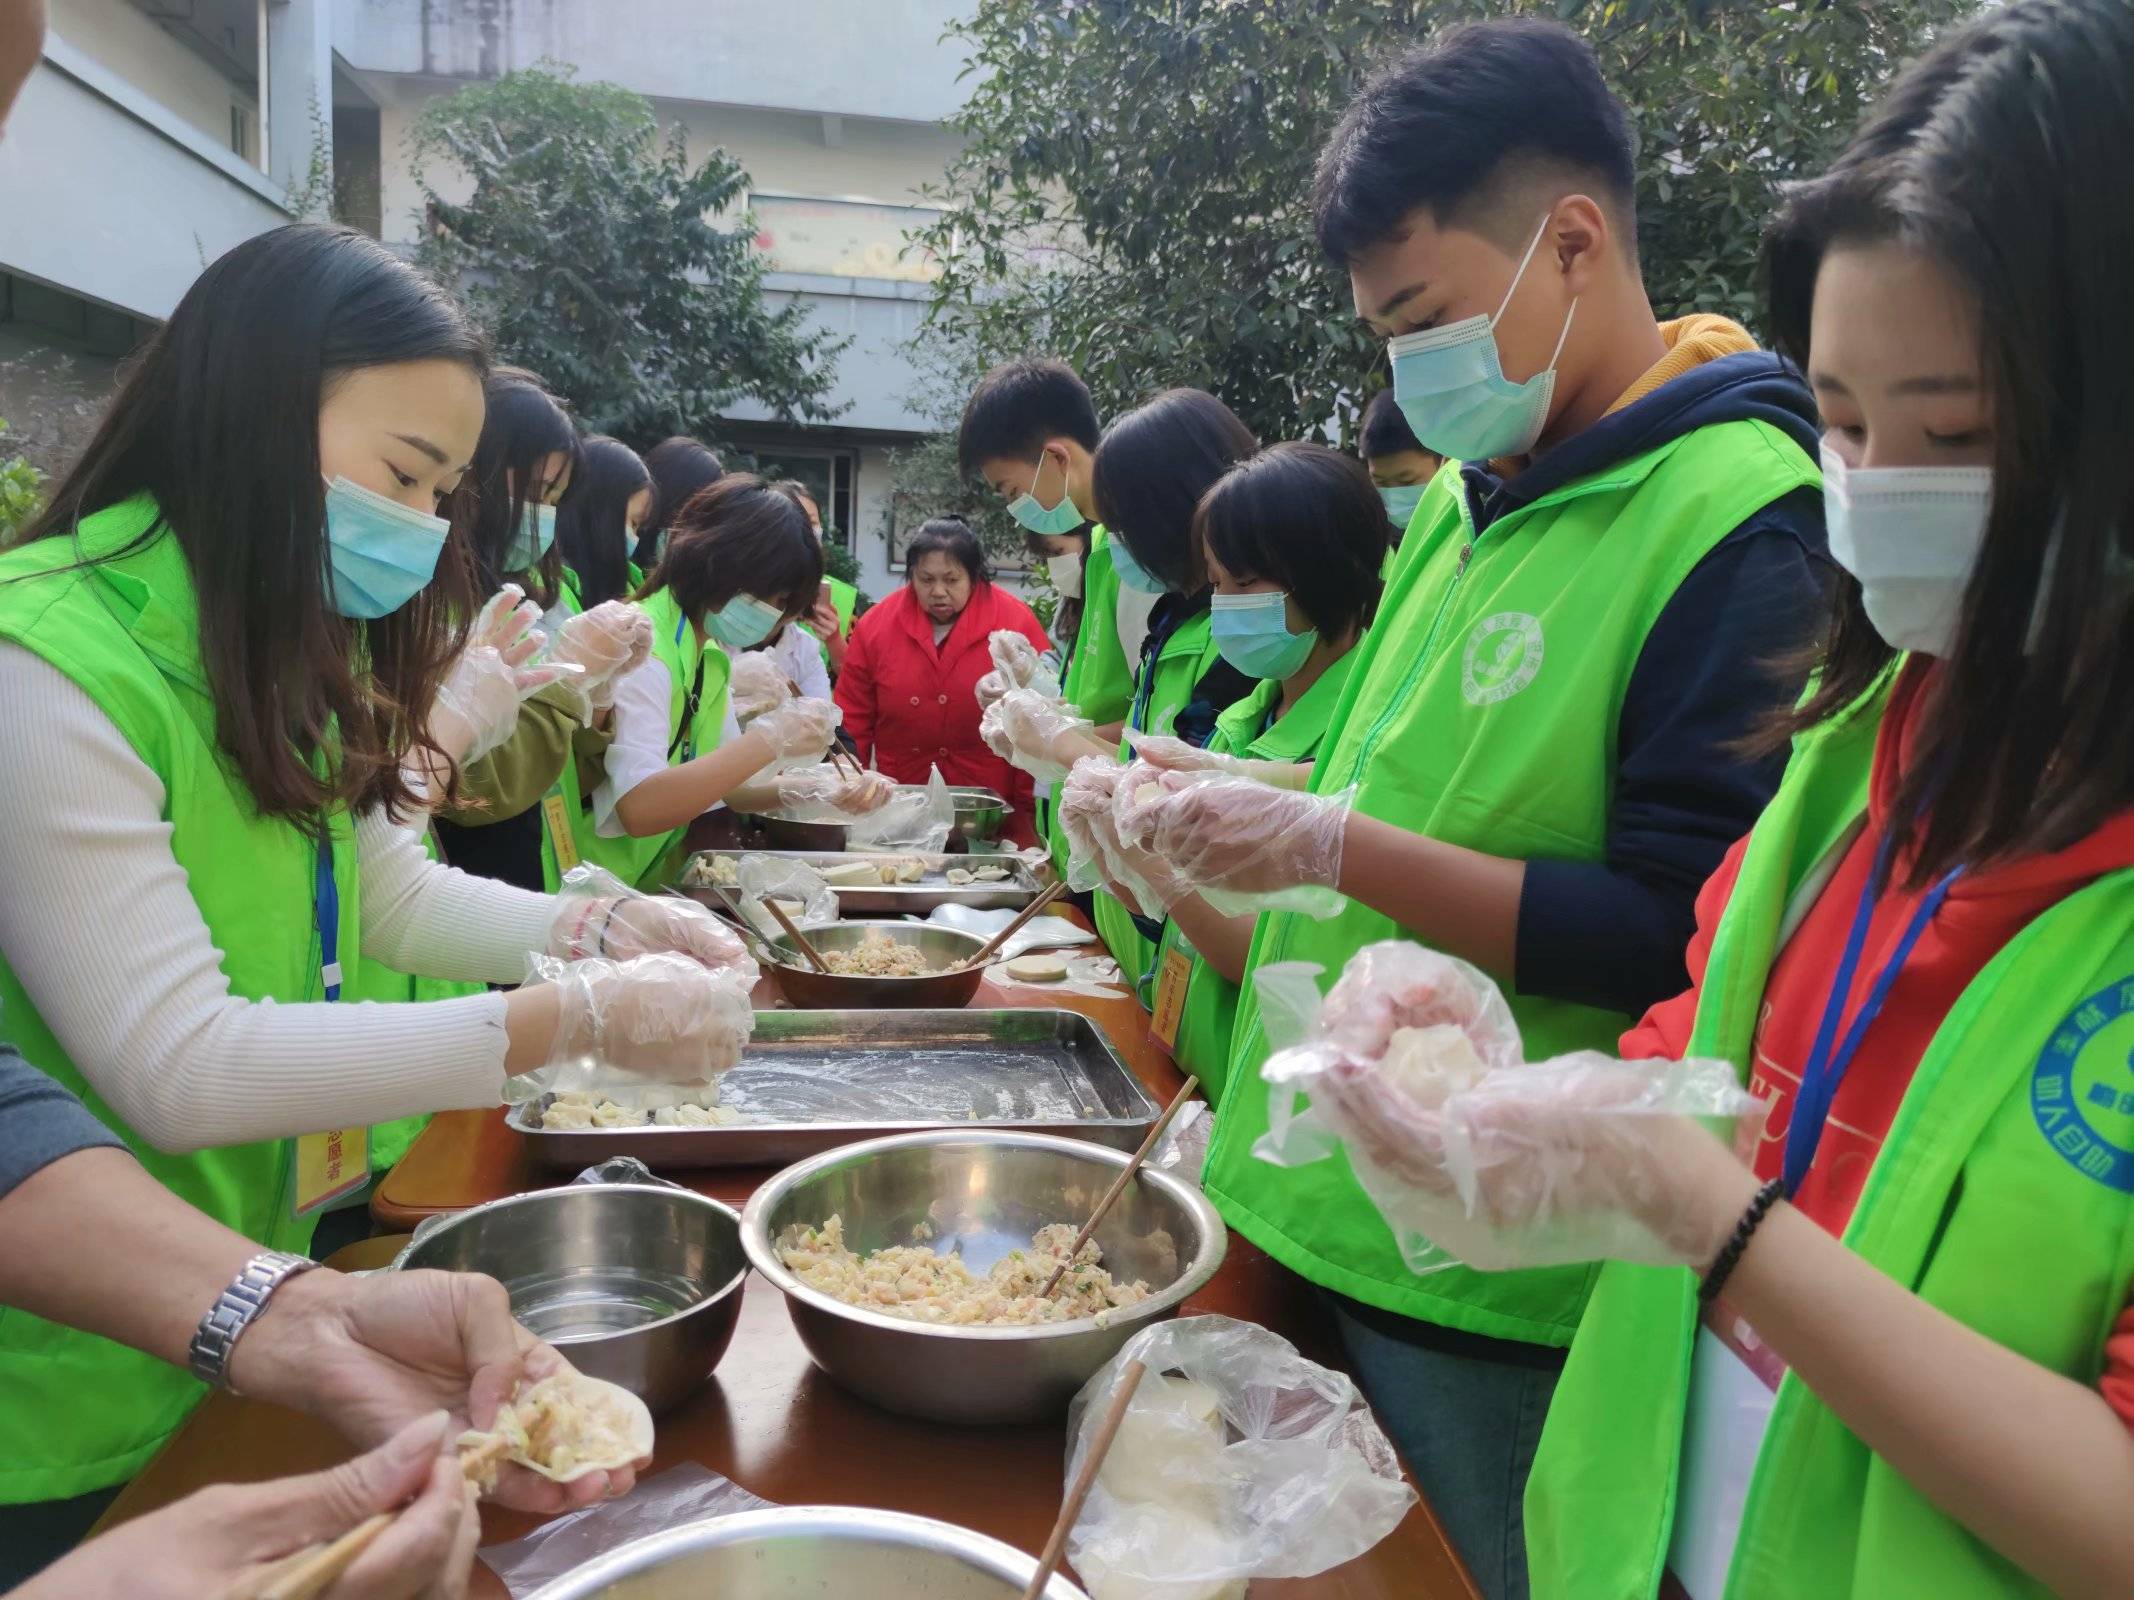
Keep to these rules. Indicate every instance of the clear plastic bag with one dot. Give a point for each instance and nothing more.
(916, 820)
(1413, 1065)
(688, 1493)
(805, 893)
(1237, 1459)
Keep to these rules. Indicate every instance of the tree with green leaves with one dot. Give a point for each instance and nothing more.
(603, 259)
(1134, 190)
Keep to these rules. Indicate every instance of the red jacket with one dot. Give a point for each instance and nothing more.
(910, 706)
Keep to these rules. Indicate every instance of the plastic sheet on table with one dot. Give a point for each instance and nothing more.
(1092, 977)
(683, 1494)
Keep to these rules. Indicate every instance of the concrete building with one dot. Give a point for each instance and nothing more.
(834, 107)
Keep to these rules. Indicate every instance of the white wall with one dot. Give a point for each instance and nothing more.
(121, 38)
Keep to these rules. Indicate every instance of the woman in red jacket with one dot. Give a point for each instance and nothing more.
(909, 689)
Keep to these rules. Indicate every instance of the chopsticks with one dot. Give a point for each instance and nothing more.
(1078, 1491)
(756, 941)
(1119, 1184)
(793, 932)
(845, 761)
(985, 951)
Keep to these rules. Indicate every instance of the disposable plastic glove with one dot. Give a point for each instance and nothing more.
(759, 685)
(799, 730)
(1175, 755)
(608, 643)
(1096, 853)
(663, 1017)
(1033, 733)
(1245, 846)
(850, 794)
(477, 705)
(597, 915)
(509, 624)
(1016, 665)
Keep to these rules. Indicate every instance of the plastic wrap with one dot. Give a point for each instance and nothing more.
(1414, 1067)
(1243, 846)
(1027, 730)
(1237, 1459)
(915, 820)
(662, 1017)
(808, 897)
(688, 1493)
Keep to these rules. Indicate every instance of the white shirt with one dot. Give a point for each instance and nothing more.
(644, 708)
(98, 922)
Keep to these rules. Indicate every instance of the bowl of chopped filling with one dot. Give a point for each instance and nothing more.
(879, 963)
(912, 1267)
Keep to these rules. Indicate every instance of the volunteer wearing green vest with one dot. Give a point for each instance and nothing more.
(1293, 540)
(680, 468)
(1941, 1298)
(1399, 465)
(1534, 763)
(202, 849)
(829, 619)
(740, 564)
(1030, 432)
(597, 521)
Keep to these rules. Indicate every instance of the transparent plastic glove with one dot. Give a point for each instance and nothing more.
(477, 705)
(1095, 852)
(828, 788)
(609, 642)
(509, 624)
(759, 684)
(1033, 733)
(799, 730)
(1243, 845)
(597, 915)
(664, 1017)
(1016, 665)
(1175, 755)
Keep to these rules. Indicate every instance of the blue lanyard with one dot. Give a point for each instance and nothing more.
(1145, 689)
(326, 908)
(1832, 1056)
(685, 737)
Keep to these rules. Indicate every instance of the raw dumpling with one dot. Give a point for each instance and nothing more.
(1428, 1065)
(991, 874)
(851, 874)
(563, 1427)
(910, 871)
(959, 877)
(889, 872)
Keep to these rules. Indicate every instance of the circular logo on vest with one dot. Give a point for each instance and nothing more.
(2082, 1089)
(1503, 654)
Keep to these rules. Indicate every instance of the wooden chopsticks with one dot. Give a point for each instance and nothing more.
(1126, 1176)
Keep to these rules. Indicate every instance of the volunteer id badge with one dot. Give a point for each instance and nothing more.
(558, 812)
(1170, 1007)
(330, 1166)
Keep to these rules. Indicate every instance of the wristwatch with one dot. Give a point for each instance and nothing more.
(234, 1310)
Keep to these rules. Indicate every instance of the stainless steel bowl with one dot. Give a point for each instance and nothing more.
(979, 813)
(637, 1283)
(987, 1194)
(837, 991)
(804, 1553)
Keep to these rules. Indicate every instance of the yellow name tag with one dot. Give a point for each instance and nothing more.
(330, 1166)
(1170, 1005)
(559, 832)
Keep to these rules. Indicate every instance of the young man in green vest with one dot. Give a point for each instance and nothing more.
(1030, 432)
(1540, 736)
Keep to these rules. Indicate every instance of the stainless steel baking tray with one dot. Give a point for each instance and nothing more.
(812, 1080)
(894, 899)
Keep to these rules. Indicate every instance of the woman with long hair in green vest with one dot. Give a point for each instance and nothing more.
(1884, 1346)
(220, 645)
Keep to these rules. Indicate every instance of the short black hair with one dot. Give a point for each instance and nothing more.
(1386, 431)
(1307, 518)
(681, 468)
(1151, 470)
(738, 535)
(951, 537)
(1442, 123)
(1018, 406)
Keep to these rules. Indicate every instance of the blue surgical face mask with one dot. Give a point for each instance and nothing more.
(537, 531)
(1252, 634)
(743, 622)
(1449, 383)
(1051, 520)
(379, 553)
(1132, 574)
(1401, 500)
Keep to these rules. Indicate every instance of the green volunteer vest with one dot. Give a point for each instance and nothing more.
(1186, 655)
(1483, 712)
(2003, 1196)
(846, 599)
(1203, 1043)
(649, 863)
(79, 1413)
(1099, 681)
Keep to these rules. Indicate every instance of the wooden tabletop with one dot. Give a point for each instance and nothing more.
(774, 1424)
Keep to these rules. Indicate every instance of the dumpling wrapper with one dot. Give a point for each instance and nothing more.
(1168, 1452)
(564, 1427)
(1430, 1065)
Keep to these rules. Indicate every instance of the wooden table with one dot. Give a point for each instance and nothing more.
(774, 1424)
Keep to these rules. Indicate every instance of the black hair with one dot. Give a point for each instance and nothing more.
(681, 468)
(951, 537)
(739, 535)
(1988, 158)
(1386, 431)
(591, 523)
(797, 492)
(218, 419)
(1017, 407)
(1444, 124)
(523, 424)
(1151, 470)
(1307, 518)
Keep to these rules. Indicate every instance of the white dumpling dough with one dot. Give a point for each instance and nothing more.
(1429, 1065)
(1168, 1453)
(959, 877)
(910, 871)
(1038, 968)
(851, 874)
(991, 874)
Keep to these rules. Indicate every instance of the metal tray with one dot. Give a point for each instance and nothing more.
(821, 1079)
(894, 899)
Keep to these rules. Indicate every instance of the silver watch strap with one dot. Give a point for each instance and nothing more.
(234, 1310)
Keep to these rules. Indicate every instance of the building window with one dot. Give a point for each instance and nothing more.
(240, 132)
(831, 478)
(843, 238)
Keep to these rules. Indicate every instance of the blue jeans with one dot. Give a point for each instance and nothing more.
(1466, 1413)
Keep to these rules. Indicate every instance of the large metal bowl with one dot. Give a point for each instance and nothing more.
(987, 1194)
(804, 1553)
(636, 1283)
(979, 813)
(837, 991)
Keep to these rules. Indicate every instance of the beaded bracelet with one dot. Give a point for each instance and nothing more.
(1729, 1256)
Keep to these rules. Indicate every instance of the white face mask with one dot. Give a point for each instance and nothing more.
(1066, 574)
(1911, 535)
